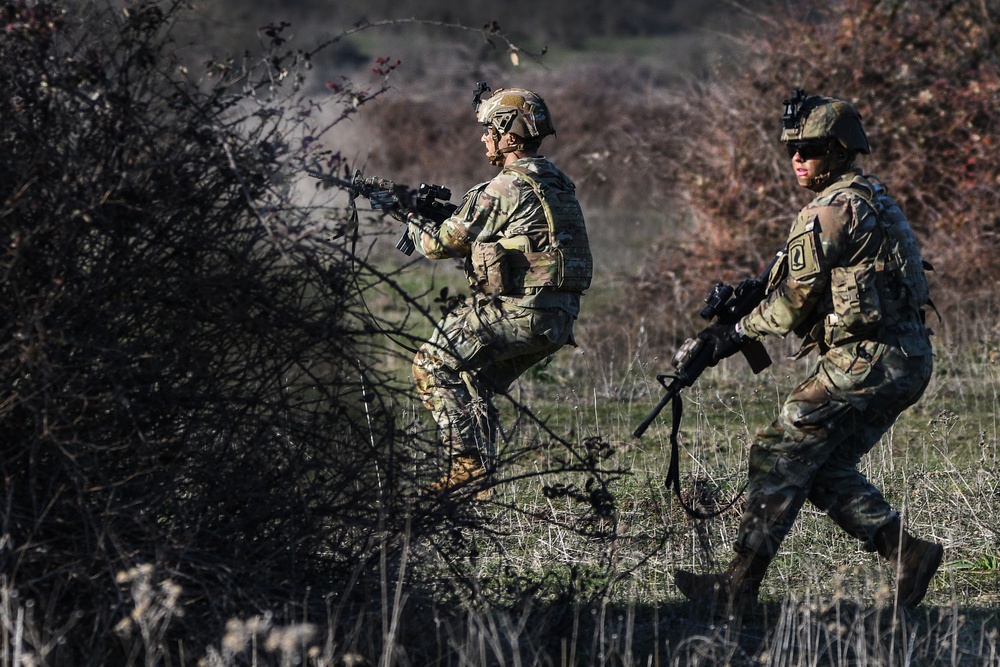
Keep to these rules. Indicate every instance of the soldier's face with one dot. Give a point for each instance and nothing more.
(490, 139)
(807, 172)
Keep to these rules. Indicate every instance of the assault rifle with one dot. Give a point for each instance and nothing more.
(429, 201)
(726, 305)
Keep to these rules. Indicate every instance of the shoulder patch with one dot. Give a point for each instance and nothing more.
(803, 257)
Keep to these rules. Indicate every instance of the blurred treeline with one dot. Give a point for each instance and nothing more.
(567, 23)
(677, 36)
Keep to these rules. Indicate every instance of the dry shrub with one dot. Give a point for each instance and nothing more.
(182, 385)
(925, 77)
(618, 137)
(194, 395)
(433, 141)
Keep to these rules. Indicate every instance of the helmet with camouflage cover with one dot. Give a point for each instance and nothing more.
(518, 111)
(809, 117)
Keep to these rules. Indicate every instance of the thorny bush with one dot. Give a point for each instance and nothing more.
(190, 377)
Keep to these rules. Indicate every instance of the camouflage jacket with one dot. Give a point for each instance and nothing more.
(839, 280)
(507, 215)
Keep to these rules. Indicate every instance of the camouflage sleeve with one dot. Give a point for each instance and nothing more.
(482, 215)
(814, 246)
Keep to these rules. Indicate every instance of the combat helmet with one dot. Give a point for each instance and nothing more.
(515, 110)
(813, 117)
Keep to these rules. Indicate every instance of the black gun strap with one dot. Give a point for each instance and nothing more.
(673, 469)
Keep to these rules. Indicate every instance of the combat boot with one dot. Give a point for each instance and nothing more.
(916, 561)
(729, 593)
(465, 475)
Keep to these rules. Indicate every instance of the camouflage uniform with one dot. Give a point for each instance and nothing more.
(527, 256)
(875, 361)
(851, 283)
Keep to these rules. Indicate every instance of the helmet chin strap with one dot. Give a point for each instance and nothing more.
(819, 181)
(497, 157)
(822, 180)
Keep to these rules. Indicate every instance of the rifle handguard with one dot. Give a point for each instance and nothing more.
(682, 357)
(429, 201)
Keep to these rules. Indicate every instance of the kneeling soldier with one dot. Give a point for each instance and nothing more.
(528, 260)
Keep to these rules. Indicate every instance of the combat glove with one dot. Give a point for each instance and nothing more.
(722, 341)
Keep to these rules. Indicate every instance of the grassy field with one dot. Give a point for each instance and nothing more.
(826, 600)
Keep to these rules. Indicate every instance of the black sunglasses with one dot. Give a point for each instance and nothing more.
(807, 150)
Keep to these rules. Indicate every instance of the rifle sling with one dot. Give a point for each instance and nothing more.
(673, 469)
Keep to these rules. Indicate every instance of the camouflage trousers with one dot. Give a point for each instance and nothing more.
(476, 351)
(812, 450)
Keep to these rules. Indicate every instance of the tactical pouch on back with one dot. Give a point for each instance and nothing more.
(568, 266)
(534, 269)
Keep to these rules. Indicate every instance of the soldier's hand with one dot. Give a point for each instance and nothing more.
(724, 341)
(686, 352)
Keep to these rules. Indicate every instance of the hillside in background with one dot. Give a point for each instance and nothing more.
(673, 39)
(561, 23)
